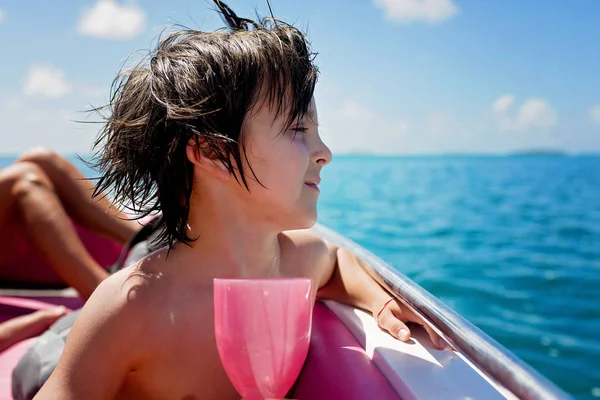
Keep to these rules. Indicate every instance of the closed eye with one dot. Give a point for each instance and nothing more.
(298, 130)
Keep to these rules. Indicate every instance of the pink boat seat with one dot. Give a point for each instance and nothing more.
(23, 264)
(337, 367)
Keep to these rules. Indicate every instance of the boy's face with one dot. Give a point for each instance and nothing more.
(288, 164)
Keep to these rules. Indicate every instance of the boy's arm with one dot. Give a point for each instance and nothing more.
(344, 279)
(100, 349)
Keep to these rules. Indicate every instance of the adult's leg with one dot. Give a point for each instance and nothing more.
(74, 190)
(27, 326)
(26, 191)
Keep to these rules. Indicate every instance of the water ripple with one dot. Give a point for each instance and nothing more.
(513, 244)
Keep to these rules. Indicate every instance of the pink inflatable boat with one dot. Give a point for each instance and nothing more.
(349, 357)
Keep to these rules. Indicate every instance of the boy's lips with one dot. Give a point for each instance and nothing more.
(314, 183)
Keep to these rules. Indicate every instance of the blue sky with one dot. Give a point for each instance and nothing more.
(397, 76)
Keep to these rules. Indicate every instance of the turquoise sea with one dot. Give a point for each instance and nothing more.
(511, 243)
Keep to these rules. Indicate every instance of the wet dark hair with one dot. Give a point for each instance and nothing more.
(197, 85)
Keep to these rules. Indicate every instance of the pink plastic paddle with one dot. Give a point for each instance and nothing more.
(262, 328)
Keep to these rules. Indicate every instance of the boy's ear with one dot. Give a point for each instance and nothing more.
(200, 154)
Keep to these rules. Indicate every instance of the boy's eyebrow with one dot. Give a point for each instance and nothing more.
(310, 113)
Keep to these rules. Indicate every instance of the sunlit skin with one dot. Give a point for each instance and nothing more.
(147, 332)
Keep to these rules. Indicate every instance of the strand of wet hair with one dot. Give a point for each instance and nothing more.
(271, 12)
(232, 20)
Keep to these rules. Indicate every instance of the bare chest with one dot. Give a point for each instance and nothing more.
(183, 361)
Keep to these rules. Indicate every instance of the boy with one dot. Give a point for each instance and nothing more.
(219, 132)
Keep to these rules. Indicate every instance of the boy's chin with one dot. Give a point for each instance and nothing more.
(306, 221)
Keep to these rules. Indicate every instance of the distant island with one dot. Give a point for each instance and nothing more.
(539, 152)
(513, 153)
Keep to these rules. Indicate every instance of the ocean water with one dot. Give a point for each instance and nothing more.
(511, 243)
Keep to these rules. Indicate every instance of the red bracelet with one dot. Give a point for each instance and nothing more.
(381, 310)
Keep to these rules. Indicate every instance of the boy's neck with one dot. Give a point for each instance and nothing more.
(232, 243)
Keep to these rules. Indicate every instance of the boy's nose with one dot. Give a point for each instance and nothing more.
(322, 155)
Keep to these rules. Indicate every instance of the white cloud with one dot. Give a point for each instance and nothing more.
(109, 20)
(46, 81)
(2, 16)
(351, 127)
(352, 110)
(91, 92)
(31, 120)
(502, 104)
(536, 113)
(431, 11)
(440, 122)
(357, 126)
(595, 114)
(27, 126)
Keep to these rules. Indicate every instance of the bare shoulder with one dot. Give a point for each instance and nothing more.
(106, 341)
(309, 254)
(125, 294)
(119, 298)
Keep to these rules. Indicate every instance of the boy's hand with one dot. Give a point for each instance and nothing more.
(393, 318)
(342, 277)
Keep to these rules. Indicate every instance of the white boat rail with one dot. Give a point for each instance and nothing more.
(489, 356)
